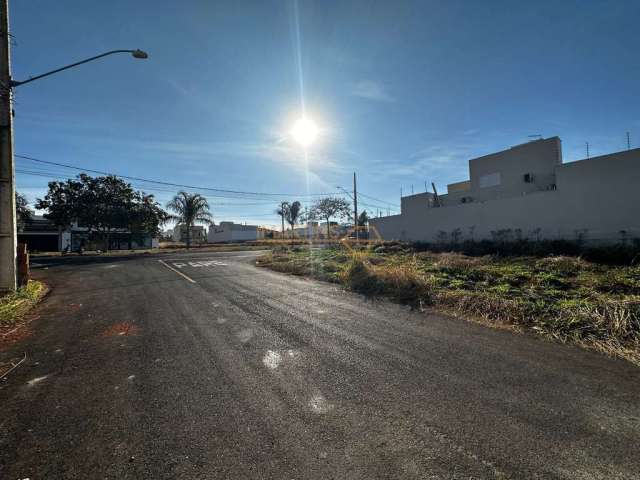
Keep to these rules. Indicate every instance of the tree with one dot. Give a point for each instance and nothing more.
(281, 211)
(190, 208)
(103, 205)
(23, 212)
(363, 219)
(328, 208)
(146, 217)
(291, 213)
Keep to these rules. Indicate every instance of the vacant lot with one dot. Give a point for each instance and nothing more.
(563, 298)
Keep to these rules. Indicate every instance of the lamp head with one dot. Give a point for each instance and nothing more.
(137, 53)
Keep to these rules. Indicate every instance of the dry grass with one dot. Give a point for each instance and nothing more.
(15, 306)
(562, 298)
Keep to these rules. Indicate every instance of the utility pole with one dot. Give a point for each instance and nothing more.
(8, 235)
(282, 216)
(355, 205)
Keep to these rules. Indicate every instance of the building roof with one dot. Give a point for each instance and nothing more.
(38, 223)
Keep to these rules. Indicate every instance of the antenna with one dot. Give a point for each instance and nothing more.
(435, 195)
(412, 189)
(587, 145)
(628, 141)
(535, 137)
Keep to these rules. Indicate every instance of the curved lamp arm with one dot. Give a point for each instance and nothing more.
(135, 53)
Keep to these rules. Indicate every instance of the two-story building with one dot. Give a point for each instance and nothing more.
(529, 191)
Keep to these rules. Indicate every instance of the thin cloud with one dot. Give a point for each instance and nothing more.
(371, 91)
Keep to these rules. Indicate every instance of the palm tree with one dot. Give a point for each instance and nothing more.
(292, 215)
(190, 208)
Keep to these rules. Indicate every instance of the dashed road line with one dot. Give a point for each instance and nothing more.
(178, 272)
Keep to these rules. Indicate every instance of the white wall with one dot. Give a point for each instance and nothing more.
(595, 198)
(232, 232)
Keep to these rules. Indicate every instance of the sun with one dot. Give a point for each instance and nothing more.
(304, 131)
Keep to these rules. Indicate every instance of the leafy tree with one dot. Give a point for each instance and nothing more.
(328, 208)
(146, 216)
(190, 208)
(23, 212)
(363, 219)
(103, 205)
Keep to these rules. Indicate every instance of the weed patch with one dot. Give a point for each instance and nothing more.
(564, 298)
(15, 305)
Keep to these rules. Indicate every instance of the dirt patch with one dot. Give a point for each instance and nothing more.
(16, 334)
(121, 329)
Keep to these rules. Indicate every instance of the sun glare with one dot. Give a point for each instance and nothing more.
(304, 131)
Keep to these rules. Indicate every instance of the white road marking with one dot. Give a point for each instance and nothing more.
(33, 381)
(205, 263)
(208, 263)
(178, 272)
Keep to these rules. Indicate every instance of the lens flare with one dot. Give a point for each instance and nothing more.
(304, 131)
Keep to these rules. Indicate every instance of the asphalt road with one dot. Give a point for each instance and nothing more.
(213, 368)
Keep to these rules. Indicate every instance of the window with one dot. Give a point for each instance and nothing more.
(490, 180)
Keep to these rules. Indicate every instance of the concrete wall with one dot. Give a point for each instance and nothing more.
(232, 232)
(595, 199)
(539, 158)
(502, 174)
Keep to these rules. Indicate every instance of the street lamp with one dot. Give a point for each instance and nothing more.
(8, 232)
(137, 53)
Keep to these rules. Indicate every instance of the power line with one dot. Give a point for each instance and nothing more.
(231, 194)
(171, 184)
(50, 175)
(378, 200)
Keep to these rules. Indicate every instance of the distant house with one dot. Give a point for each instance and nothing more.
(198, 233)
(42, 235)
(310, 230)
(234, 232)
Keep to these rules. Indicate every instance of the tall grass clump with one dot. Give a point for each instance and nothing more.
(15, 305)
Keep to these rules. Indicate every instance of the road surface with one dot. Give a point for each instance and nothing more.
(202, 366)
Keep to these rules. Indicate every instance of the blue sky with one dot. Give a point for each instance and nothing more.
(405, 92)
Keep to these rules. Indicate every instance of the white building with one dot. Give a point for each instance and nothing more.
(41, 234)
(310, 230)
(528, 192)
(233, 232)
(198, 233)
